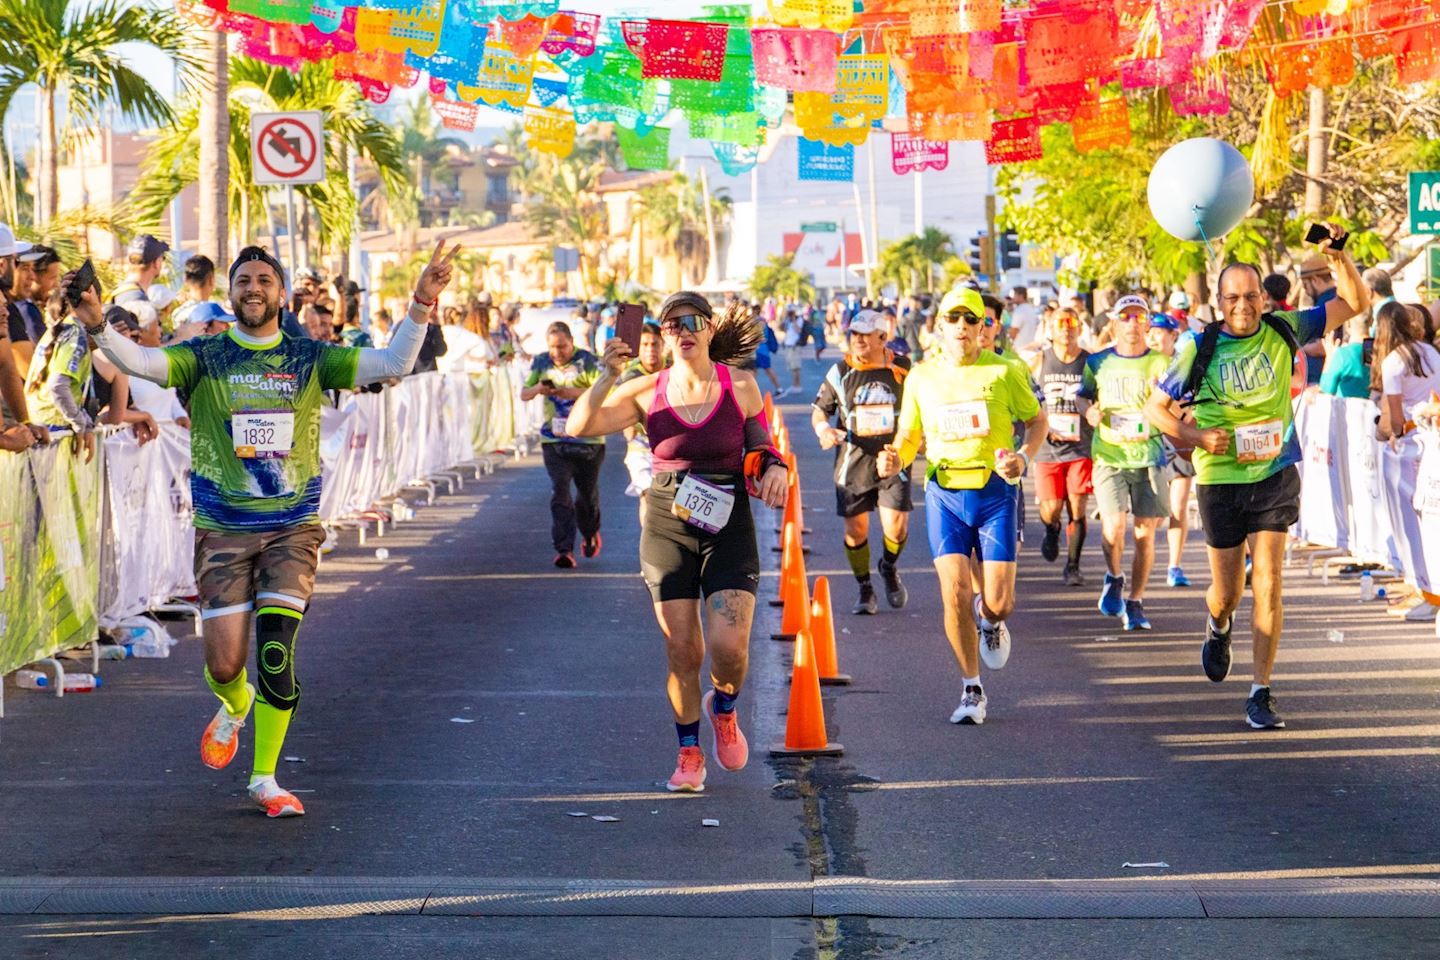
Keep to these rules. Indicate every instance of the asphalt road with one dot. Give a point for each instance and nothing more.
(1101, 749)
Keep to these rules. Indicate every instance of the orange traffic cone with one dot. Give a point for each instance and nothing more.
(769, 408)
(796, 613)
(822, 635)
(791, 512)
(805, 725)
(795, 492)
(787, 560)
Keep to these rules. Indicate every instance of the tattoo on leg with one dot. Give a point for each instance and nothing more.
(729, 608)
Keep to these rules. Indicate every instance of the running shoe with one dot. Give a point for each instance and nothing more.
(275, 800)
(1073, 577)
(1050, 546)
(867, 602)
(1215, 653)
(895, 592)
(994, 640)
(565, 560)
(689, 775)
(1260, 711)
(591, 546)
(732, 751)
(972, 707)
(1112, 600)
(1176, 577)
(221, 738)
(1134, 616)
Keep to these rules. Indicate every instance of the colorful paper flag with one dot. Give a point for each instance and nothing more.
(911, 154)
(795, 59)
(821, 161)
(678, 49)
(647, 151)
(1015, 140)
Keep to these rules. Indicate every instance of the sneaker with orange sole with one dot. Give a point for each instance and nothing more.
(222, 738)
(732, 750)
(275, 800)
(689, 775)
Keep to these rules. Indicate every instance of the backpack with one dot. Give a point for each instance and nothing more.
(1205, 352)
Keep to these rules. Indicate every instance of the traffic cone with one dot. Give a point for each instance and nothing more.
(769, 408)
(791, 512)
(822, 635)
(796, 613)
(795, 491)
(787, 560)
(805, 724)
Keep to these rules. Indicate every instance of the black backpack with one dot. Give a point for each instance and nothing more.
(1205, 352)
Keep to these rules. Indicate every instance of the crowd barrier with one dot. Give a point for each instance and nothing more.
(1377, 501)
(85, 546)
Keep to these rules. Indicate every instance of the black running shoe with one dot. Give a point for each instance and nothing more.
(1073, 577)
(1260, 711)
(895, 592)
(867, 604)
(565, 560)
(1215, 654)
(1050, 546)
(591, 546)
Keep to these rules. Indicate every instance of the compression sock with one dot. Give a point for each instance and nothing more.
(689, 733)
(270, 727)
(859, 557)
(279, 692)
(892, 550)
(723, 702)
(1075, 534)
(231, 694)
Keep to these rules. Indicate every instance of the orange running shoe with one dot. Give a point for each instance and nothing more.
(275, 800)
(222, 738)
(689, 775)
(731, 747)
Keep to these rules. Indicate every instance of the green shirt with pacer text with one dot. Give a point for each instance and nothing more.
(1247, 384)
(221, 376)
(1119, 386)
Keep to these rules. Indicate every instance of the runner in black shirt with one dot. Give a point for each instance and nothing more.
(1063, 467)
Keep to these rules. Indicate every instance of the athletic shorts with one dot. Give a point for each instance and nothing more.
(892, 492)
(683, 562)
(1230, 512)
(792, 357)
(1177, 465)
(638, 459)
(1141, 491)
(235, 571)
(960, 521)
(1057, 481)
(762, 358)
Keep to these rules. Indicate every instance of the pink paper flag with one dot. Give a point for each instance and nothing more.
(910, 154)
(795, 59)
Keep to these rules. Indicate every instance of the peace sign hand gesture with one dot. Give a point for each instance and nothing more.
(436, 276)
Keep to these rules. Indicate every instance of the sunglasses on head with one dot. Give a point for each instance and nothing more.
(691, 322)
(955, 316)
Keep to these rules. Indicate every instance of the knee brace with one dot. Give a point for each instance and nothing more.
(275, 629)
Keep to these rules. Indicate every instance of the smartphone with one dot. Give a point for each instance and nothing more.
(83, 280)
(1318, 232)
(628, 323)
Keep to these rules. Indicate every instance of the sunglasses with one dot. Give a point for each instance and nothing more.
(691, 322)
(1068, 324)
(966, 315)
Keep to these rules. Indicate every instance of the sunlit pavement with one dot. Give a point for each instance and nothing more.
(1101, 749)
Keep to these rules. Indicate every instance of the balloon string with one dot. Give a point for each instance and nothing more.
(1209, 252)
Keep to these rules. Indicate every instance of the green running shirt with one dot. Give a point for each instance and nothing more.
(1119, 386)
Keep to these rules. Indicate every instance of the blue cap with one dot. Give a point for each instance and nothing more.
(208, 312)
(1163, 321)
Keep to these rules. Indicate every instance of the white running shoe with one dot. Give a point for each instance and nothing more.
(972, 707)
(1422, 612)
(994, 641)
(275, 800)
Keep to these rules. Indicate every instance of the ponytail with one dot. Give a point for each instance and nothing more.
(735, 334)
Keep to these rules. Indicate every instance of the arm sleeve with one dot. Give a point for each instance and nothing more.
(1308, 324)
(1024, 401)
(532, 379)
(1087, 380)
(909, 425)
(394, 360)
(147, 363)
(58, 389)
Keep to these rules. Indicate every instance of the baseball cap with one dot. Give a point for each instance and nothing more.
(962, 298)
(1179, 300)
(1163, 321)
(40, 256)
(208, 312)
(9, 246)
(867, 321)
(161, 296)
(1130, 301)
(118, 316)
(147, 248)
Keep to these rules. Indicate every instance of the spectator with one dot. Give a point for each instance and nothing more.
(1277, 292)
(1405, 371)
(1347, 366)
(144, 262)
(380, 328)
(12, 329)
(431, 350)
(319, 323)
(1319, 288)
(1024, 322)
(199, 286)
(1382, 290)
(43, 266)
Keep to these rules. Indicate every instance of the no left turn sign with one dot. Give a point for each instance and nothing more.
(287, 149)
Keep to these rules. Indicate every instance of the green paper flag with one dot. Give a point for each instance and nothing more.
(650, 151)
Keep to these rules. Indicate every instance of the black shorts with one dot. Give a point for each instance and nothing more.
(683, 562)
(1230, 512)
(892, 492)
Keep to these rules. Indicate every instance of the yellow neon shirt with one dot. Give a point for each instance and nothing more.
(965, 414)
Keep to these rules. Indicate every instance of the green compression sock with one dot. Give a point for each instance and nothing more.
(859, 558)
(892, 550)
(231, 694)
(270, 727)
(279, 691)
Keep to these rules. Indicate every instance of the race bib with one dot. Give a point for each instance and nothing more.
(263, 434)
(1065, 426)
(1129, 427)
(963, 421)
(702, 504)
(1256, 442)
(557, 425)
(874, 419)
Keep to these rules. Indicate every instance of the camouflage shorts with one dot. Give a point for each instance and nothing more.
(234, 571)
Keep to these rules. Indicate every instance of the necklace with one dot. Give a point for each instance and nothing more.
(704, 401)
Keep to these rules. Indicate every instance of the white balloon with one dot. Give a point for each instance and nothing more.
(1200, 188)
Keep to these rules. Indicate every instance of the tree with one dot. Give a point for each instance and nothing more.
(214, 152)
(778, 278)
(565, 209)
(910, 262)
(57, 46)
(673, 214)
(424, 146)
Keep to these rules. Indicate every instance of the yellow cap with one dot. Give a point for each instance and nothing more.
(962, 298)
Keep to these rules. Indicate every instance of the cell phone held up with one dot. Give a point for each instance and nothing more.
(629, 321)
(84, 279)
(1318, 232)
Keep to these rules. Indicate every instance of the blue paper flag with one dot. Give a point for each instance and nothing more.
(820, 161)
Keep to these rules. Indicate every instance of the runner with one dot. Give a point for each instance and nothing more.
(254, 397)
(1063, 468)
(1236, 379)
(863, 389)
(1179, 466)
(697, 548)
(1129, 471)
(961, 405)
(561, 376)
(638, 459)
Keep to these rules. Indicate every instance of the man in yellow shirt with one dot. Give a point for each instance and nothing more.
(961, 405)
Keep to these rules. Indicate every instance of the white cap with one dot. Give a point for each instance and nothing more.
(1128, 302)
(867, 321)
(9, 246)
(161, 296)
(144, 312)
(1179, 300)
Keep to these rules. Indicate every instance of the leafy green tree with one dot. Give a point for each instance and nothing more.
(562, 205)
(777, 277)
(673, 214)
(910, 262)
(424, 146)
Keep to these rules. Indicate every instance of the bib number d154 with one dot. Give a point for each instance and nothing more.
(263, 434)
(1257, 442)
(702, 504)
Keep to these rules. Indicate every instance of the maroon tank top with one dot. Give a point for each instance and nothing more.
(714, 445)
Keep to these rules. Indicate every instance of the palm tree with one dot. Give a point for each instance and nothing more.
(423, 144)
(778, 278)
(673, 214)
(565, 209)
(214, 123)
(59, 46)
(257, 87)
(910, 262)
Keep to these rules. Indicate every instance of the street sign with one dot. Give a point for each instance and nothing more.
(1432, 275)
(287, 149)
(1425, 202)
(822, 226)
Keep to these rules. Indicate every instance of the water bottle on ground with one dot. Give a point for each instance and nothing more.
(38, 680)
(148, 647)
(31, 680)
(81, 682)
(1367, 586)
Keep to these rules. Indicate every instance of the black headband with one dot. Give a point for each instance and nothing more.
(251, 255)
(685, 298)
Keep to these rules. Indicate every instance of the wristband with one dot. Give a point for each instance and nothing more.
(427, 304)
